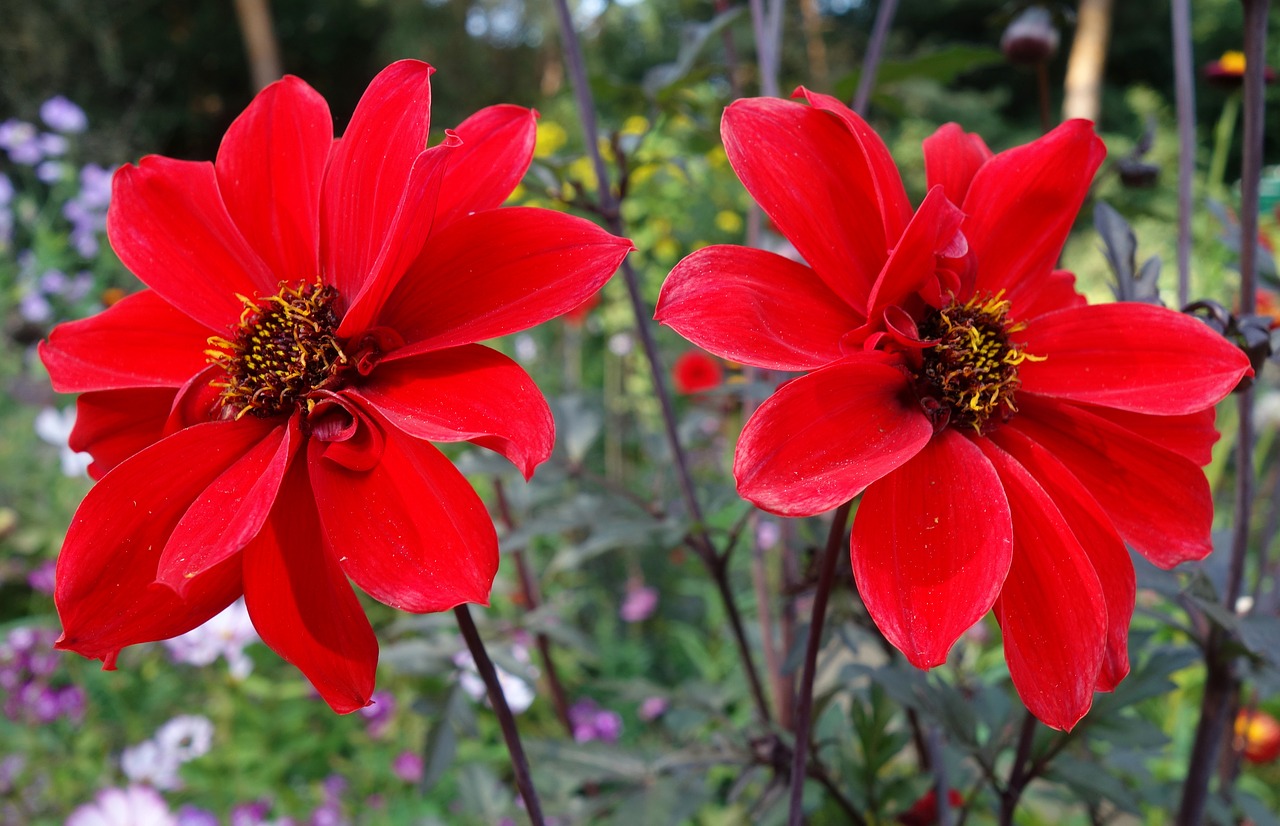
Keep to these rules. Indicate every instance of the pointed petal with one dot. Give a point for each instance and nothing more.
(822, 438)
(105, 594)
(1096, 535)
(270, 167)
(141, 341)
(303, 606)
(934, 231)
(368, 173)
(1192, 435)
(468, 393)
(951, 158)
(932, 543)
(1135, 357)
(895, 207)
(1056, 292)
(112, 425)
(755, 307)
(229, 512)
(1022, 203)
(498, 272)
(810, 175)
(1158, 500)
(410, 531)
(170, 227)
(497, 146)
(1052, 610)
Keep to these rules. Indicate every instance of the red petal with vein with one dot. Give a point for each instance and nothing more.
(1096, 535)
(230, 512)
(1056, 292)
(755, 307)
(168, 224)
(1022, 203)
(1158, 500)
(411, 531)
(368, 173)
(810, 175)
(412, 224)
(931, 547)
(822, 438)
(499, 272)
(951, 158)
(934, 230)
(1052, 609)
(112, 425)
(497, 146)
(141, 341)
(270, 167)
(1192, 435)
(468, 393)
(1133, 357)
(891, 195)
(105, 593)
(303, 606)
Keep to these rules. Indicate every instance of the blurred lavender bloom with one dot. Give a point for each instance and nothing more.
(21, 140)
(255, 814)
(64, 116)
(84, 242)
(11, 767)
(35, 308)
(186, 737)
(526, 348)
(651, 708)
(518, 692)
(54, 427)
(51, 145)
(639, 603)
(50, 171)
(148, 763)
(768, 533)
(41, 578)
(226, 635)
(590, 722)
(95, 186)
(53, 282)
(133, 806)
(6, 227)
(79, 286)
(408, 766)
(6, 190)
(190, 815)
(379, 712)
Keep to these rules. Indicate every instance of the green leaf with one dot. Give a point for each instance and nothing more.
(942, 66)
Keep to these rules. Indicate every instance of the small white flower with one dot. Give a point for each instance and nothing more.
(134, 806)
(54, 427)
(149, 763)
(517, 691)
(225, 635)
(186, 737)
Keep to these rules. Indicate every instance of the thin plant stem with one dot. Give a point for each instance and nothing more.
(701, 542)
(1185, 95)
(1019, 776)
(875, 48)
(941, 787)
(767, 26)
(804, 702)
(1042, 91)
(519, 763)
(1222, 135)
(532, 599)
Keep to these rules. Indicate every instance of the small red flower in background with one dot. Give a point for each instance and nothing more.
(695, 371)
(578, 315)
(1228, 71)
(1009, 438)
(924, 812)
(261, 418)
(1258, 736)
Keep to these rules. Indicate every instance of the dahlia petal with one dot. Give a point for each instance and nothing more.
(1052, 609)
(933, 231)
(497, 147)
(369, 172)
(140, 341)
(229, 512)
(1157, 499)
(411, 531)
(467, 393)
(169, 225)
(1021, 205)
(822, 438)
(1056, 292)
(270, 167)
(951, 158)
(301, 603)
(1134, 357)
(932, 543)
(106, 593)
(755, 307)
(498, 272)
(797, 162)
(1191, 435)
(1096, 535)
(112, 425)
(895, 207)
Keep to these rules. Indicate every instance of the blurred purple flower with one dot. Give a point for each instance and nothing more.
(53, 282)
(590, 722)
(768, 533)
(35, 308)
(6, 190)
(189, 815)
(133, 806)
(21, 140)
(51, 145)
(378, 714)
(652, 708)
(79, 286)
(639, 603)
(41, 577)
(408, 766)
(226, 636)
(62, 115)
(50, 171)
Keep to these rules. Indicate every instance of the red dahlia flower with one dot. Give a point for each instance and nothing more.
(694, 371)
(261, 418)
(1009, 438)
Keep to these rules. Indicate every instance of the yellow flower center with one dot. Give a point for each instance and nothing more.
(1232, 62)
(283, 350)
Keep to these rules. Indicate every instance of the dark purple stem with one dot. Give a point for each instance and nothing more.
(1019, 776)
(519, 763)
(1185, 93)
(717, 564)
(875, 48)
(804, 702)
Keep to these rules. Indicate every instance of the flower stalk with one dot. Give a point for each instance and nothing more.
(1185, 93)
(875, 49)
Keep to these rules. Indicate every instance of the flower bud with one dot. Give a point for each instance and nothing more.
(1030, 38)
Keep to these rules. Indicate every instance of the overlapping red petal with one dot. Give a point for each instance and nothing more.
(111, 426)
